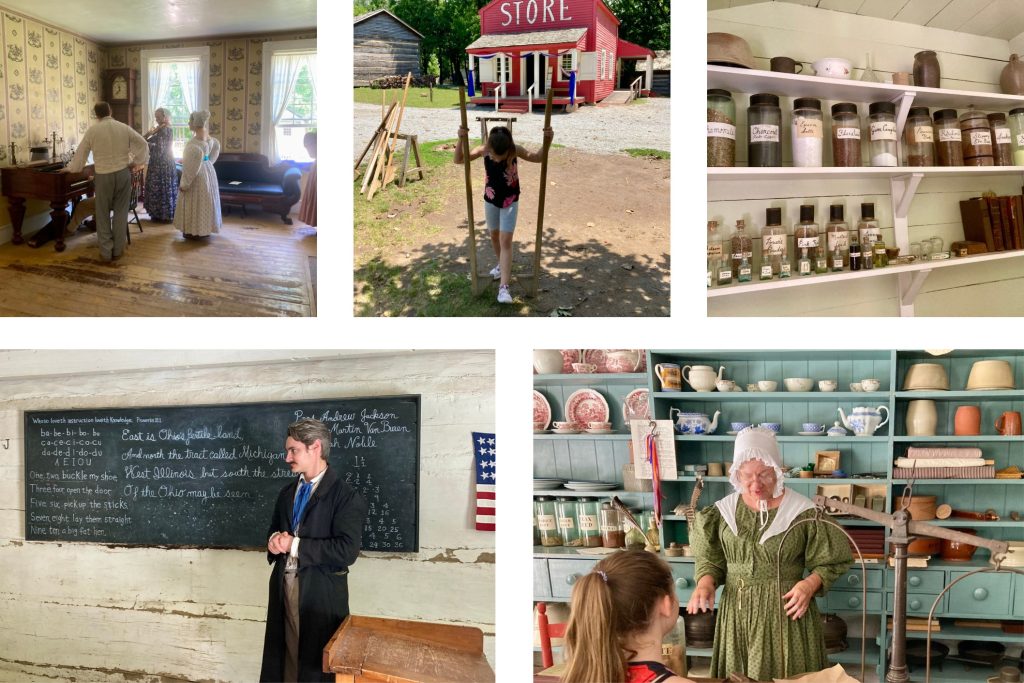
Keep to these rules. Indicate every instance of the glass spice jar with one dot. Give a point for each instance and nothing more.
(742, 250)
(807, 132)
(568, 524)
(806, 240)
(612, 535)
(868, 232)
(947, 138)
(721, 128)
(774, 250)
(845, 135)
(880, 258)
(855, 257)
(588, 515)
(1002, 145)
(977, 138)
(882, 117)
(764, 119)
(837, 238)
(919, 137)
(1016, 121)
(544, 512)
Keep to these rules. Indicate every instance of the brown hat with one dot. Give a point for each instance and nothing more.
(725, 49)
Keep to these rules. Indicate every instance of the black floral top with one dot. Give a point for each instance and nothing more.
(501, 184)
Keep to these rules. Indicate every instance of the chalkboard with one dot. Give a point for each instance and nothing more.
(208, 476)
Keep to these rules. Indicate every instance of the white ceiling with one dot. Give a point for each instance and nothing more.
(1002, 19)
(139, 21)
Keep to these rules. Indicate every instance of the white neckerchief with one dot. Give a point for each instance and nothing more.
(792, 505)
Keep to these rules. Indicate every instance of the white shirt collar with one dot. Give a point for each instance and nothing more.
(315, 480)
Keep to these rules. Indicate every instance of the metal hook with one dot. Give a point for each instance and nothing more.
(654, 428)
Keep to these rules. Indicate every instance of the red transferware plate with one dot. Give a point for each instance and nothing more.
(586, 405)
(635, 406)
(541, 410)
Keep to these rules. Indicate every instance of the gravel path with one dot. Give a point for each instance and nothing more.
(597, 129)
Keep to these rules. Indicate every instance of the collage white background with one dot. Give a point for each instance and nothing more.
(513, 339)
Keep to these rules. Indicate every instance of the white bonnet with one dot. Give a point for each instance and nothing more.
(757, 443)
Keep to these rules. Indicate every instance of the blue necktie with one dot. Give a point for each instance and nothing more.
(300, 504)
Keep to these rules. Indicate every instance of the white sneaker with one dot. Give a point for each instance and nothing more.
(496, 272)
(503, 295)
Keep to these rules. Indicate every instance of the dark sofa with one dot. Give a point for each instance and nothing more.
(249, 179)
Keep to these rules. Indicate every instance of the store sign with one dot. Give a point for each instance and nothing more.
(532, 12)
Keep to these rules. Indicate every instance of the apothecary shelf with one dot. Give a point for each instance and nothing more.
(854, 173)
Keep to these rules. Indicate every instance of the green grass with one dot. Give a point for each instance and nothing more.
(646, 152)
(444, 98)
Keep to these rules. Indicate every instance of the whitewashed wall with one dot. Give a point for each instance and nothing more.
(967, 63)
(95, 613)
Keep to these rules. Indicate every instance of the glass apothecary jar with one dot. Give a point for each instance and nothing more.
(807, 132)
(568, 524)
(721, 128)
(919, 137)
(547, 527)
(612, 535)
(1002, 140)
(883, 138)
(845, 135)
(764, 121)
(1016, 120)
(588, 514)
(948, 149)
(977, 139)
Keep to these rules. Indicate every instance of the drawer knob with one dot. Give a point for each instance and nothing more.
(853, 601)
(980, 593)
(915, 604)
(682, 583)
(853, 580)
(571, 579)
(914, 581)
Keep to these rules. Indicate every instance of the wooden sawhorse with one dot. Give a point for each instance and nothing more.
(410, 141)
(485, 120)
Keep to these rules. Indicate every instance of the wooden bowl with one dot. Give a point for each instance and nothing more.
(922, 507)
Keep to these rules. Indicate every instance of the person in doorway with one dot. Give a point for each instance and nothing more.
(161, 176)
(314, 537)
(501, 193)
(116, 150)
(620, 612)
(767, 613)
(198, 213)
(307, 210)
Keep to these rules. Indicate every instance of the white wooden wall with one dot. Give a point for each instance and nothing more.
(806, 34)
(95, 613)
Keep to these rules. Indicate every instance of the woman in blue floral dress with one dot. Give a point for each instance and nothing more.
(161, 178)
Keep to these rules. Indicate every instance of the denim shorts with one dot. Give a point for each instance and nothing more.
(501, 219)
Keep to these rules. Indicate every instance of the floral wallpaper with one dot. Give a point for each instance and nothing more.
(236, 84)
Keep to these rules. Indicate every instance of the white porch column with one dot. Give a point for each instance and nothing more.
(537, 59)
(649, 81)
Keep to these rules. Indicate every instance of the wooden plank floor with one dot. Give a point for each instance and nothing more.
(255, 266)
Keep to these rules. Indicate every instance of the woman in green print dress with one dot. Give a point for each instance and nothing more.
(736, 543)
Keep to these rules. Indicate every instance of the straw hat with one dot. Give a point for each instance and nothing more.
(725, 49)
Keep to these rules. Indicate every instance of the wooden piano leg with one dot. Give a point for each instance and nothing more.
(16, 208)
(59, 216)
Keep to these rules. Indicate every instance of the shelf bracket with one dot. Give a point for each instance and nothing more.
(909, 287)
(903, 188)
(903, 102)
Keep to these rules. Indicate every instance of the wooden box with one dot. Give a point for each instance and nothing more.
(826, 462)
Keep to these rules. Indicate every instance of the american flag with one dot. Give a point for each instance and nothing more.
(484, 452)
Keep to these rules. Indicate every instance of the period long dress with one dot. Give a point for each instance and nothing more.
(307, 210)
(198, 211)
(161, 178)
(749, 634)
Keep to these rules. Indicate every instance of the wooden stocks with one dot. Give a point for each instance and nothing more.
(469, 193)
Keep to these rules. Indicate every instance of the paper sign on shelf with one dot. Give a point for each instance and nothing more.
(665, 442)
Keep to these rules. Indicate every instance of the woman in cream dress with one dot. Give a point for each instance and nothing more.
(198, 212)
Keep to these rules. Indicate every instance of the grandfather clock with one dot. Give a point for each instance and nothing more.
(120, 91)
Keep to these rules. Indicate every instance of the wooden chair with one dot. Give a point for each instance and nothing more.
(547, 632)
(138, 182)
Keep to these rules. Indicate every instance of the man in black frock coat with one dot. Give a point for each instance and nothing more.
(314, 536)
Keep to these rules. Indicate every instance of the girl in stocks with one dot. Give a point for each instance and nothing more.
(620, 613)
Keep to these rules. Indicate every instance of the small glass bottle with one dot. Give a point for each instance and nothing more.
(612, 535)
(1002, 146)
(976, 135)
(544, 511)
(568, 525)
(837, 238)
(948, 138)
(868, 231)
(919, 137)
(845, 135)
(855, 258)
(805, 238)
(803, 265)
(714, 252)
(721, 129)
(880, 258)
(807, 132)
(774, 250)
(764, 121)
(1016, 120)
(742, 249)
(587, 512)
(884, 141)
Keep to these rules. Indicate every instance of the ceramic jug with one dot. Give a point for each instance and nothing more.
(623, 360)
(547, 361)
(694, 423)
(864, 421)
(967, 421)
(921, 418)
(1011, 81)
(926, 69)
(668, 375)
(702, 377)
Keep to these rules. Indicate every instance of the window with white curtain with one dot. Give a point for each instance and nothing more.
(176, 80)
(289, 98)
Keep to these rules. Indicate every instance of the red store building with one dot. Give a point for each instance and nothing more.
(527, 46)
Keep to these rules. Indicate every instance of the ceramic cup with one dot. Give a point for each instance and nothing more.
(812, 427)
(1009, 424)
(584, 368)
(725, 385)
(774, 426)
(564, 425)
(870, 384)
(767, 385)
(752, 387)
(785, 65)
(670, 377)
(855, 386)
(1007, 674)
(738, 426)
(715, 469)
(901, 78)
(967, 421)
(599, 425)
(827, 385)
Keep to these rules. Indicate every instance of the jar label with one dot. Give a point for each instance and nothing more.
(721, 130)
(546, 522)
(724, 275)
(981, 137)
(566, 523)
(773, 245)
(837, 263)
(806, 127)
(764, 133)
(949, 135)
(609, 528)
(1003, 136)
(714, 249)
(744, 271)
(805, 267)
(870, 234)
(838, 240)
(738, 256)
(588, 522)
(924, 134)
(1020, 139)
(807, 242)
(883, 130)
(766, 271)
(786, 267)
(848, 133)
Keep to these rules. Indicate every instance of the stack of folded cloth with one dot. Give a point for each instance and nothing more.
(943, 463)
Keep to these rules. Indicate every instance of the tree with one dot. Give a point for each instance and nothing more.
(644, 22)
(364, 6)
(448, 26)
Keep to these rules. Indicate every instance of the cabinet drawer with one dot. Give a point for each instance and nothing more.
(541, 578)
(918, 604)
(564, 573)
(1018, 596)
(682, 574)
(852, 579)
(852, 600)
(982, 594)
(919, 581)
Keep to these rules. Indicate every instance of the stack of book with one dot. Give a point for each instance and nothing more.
(943, 463)
(996, 222)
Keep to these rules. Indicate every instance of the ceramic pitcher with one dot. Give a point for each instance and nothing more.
(702, 377)
(921, 418)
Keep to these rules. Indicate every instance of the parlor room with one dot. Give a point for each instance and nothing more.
(220, 180)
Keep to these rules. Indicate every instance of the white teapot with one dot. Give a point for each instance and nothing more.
(695, 423)
(702, 377)
(865, 421)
